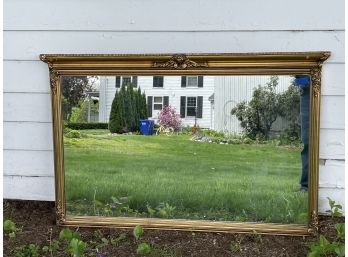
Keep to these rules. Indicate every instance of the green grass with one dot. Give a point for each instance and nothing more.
(201, 180)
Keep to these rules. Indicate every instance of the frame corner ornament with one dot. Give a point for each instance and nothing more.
(43, 58)
(60, 213)
(180, 62)
(54, 78)
(324, 56)
(316, 80)
(313, 227)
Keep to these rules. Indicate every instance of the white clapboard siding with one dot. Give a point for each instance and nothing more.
(332, 112)
(336, 194)
(30, 163)
(331, 173)
(28, 45)
(157, 15)
(29, 188)
(27, 107)
(29, 76)
(332, 145)
(332, 82)
(28, 136)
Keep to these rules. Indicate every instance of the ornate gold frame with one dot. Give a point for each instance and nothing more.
(308, 63)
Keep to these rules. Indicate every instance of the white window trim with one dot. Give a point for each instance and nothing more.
(153, 103)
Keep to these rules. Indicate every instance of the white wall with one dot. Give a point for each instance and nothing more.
(137, 26)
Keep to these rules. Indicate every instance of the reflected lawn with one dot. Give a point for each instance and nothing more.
(174, 177)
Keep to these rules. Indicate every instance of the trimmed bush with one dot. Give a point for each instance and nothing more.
(128, 107)
(80, 126)
(73, 134)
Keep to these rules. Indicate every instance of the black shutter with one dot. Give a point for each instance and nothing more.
(200, 81)
(149, 106)
(182, 106)
(161, 81)
(165, 101)
(118, 82)
(199, 106)
(183, 81)
(135, 81)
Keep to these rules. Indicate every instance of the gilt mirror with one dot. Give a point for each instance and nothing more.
(200, 142)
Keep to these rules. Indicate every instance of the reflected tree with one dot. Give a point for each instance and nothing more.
(73, 90)
(266, 105)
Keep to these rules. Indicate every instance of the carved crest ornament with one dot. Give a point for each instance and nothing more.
(179, 61)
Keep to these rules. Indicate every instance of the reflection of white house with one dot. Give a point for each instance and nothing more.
(208, 100)
(187, 94)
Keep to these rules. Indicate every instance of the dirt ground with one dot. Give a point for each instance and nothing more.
(37, 220)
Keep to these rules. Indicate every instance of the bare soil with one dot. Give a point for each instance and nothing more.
(37, 220)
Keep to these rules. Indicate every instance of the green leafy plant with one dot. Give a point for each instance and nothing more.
(114, 208)
(151, 212)
(76, 247)
(144, 248)
(323, 247)
(73, 134)
(340, 231)
(256, 237)
(165, 210)
(117, 240)
(335, 209)
(235, 246)
(66, 234)
(30, 250)
(52, 247)
(138, 232)
(10, 228)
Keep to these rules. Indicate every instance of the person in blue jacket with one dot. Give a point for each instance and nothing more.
(303, 81)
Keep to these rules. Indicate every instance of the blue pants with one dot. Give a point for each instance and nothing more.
(304, 115)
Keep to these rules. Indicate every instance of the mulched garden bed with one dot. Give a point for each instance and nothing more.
(37, 220)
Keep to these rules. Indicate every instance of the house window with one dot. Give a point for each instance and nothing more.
(191, 106)
(158, 81)
(158, 103)
(192, 81)
(125, 80)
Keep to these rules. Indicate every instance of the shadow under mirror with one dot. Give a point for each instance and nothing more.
(220, 148)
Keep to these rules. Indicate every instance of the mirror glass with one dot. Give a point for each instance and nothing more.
(219, 148)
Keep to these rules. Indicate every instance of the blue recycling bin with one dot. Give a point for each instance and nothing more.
(146, 127)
